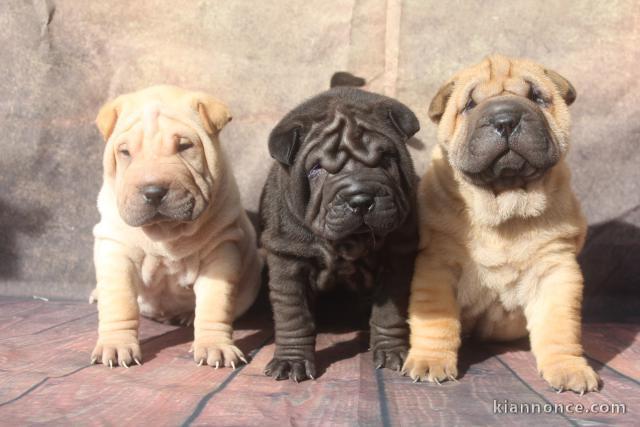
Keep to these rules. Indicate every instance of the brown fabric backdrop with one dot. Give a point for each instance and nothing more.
(62, 58)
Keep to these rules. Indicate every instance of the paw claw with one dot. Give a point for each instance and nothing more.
(115, 351)
(216, 354)
(296, 370)
(431, 369)
(389, 357)
(572, 374)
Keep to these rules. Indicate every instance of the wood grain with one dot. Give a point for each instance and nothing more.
(470, 401)
(617, 389)
(616, 345)
(45, 378)
(345, 393)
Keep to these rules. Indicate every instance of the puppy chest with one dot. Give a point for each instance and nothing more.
(356, 275)
(493, 276)
(160, 273)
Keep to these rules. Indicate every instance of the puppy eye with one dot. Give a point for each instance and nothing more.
(314, 171)
(536, 96)
(184, 144)
(469, 105)
(124, 152)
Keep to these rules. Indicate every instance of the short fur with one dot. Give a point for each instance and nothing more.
(342, 142)
(193, 250)
(500, 262)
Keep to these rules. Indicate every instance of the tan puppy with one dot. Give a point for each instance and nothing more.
(173, 236)
(500, 226)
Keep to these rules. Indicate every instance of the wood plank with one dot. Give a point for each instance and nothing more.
(64, 348)
(13, 385)
(615, 344)
(163, 391)
(470, 401)
(616, 390)
(345, 393)
(45, 377)
(32, 316)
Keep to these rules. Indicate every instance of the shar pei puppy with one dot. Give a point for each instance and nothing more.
(499, 225)
(173, 242)
(337, 210)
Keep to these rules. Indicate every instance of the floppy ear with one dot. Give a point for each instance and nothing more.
(107, 118)
(403, 119)
(213, 113)
(566, 89)
(439, 102)
(283, 145)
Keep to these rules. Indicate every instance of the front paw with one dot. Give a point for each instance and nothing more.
(295, 369)
(217, 354)
(571, 374)
(433, 368)
(123, 351)
(390, 358)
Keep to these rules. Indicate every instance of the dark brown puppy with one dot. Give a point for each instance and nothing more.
(338, 209)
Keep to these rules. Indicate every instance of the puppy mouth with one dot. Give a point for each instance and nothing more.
(342, 221)
(143, 215)
(508, 172)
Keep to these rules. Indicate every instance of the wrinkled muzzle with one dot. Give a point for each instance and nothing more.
(508, 144)
(160, 191)
(367, 201)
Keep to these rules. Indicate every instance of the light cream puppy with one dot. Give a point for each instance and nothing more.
(500, 227)
(173, 238)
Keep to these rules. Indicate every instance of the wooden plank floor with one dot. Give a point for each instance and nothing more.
(45, 378)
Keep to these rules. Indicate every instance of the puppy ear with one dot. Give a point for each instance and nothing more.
(439, 102)
(107, 118)
(283, 145)
(213, 113)
(343, 78)
(403, 119)
(566, 89)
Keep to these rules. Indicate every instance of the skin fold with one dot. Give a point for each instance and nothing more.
(500, 227)
(338, 210)
(173, 242)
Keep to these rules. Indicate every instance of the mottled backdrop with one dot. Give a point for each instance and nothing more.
(60, 59)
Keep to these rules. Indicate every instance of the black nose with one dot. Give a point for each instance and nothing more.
(361, 203)
(153, 194)
(505, 122)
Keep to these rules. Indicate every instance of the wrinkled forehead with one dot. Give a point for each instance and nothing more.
(498, 75)
(347, 132)
(151, 119)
